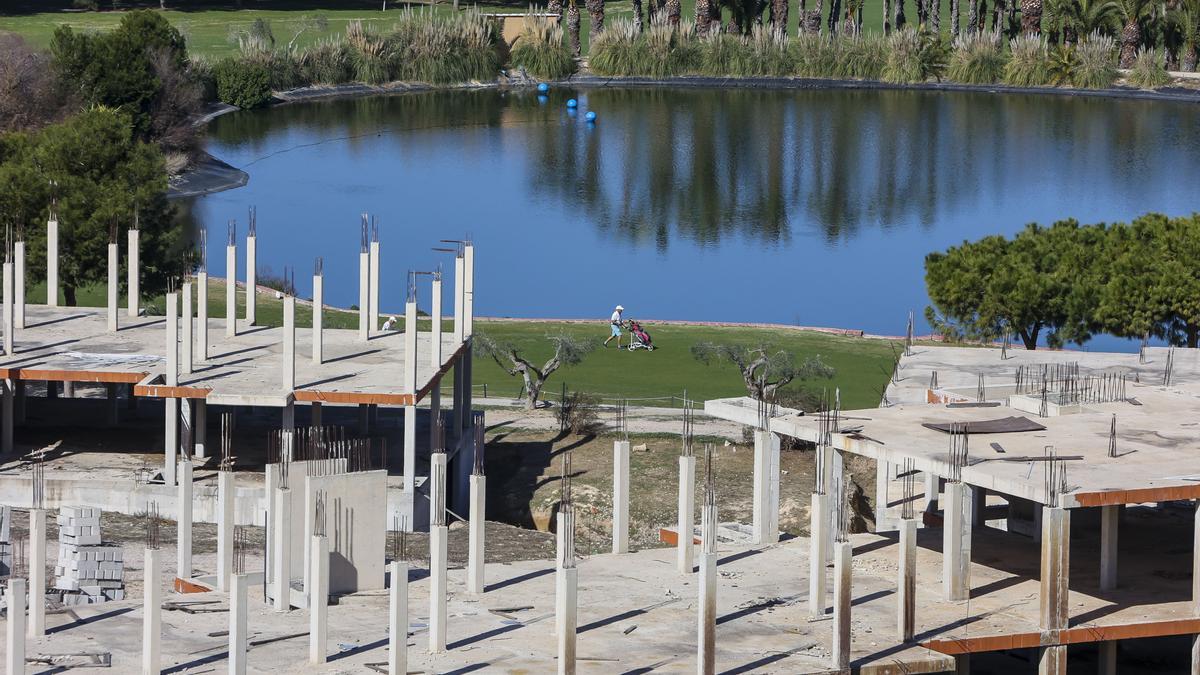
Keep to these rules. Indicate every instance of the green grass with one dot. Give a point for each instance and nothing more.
(208, 30)
(862, 364)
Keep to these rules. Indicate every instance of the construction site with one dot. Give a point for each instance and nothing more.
(1034, 510)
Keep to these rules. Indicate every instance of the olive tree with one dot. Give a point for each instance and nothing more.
(764, 369)
(568, 351)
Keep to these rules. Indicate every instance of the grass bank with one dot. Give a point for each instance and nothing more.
(646, 378)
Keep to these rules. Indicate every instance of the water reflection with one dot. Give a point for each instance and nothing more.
(756, 183)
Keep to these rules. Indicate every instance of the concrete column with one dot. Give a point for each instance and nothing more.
(19, 406)
(373, 315)
(437, 587)
(410, 386)
(315, 414)
(52, 262)
(133, 279)
(398, 618)
(289, 344)
(280, 556)
(1195, 585)
(226, 489)
(318, 601)
(14, 656)
(843, 553)
(1108, 658)
(956, 558)
(459, 294)
(172, 321)
(818, 527)
(435, 348)
(620, 519)
(906, 583)
(476, 551)
(238, 623)
(706, 643)
(202, 315)
(37, 573)
(170, 440)
(251, 278)
(1055, 581)
(468, 291)
(113, 287)
(933, 485)
(19, 272)
(10, 319)
(200, 431)
(152, 613)
(184, 521)
(685, 545)
(364, 295)
(9, 422)
(112, 405)
(171, 405)
(230, 291)
(1109, 523)
(883, 479)
(566, 605)
(766, 488)
(289, 415)
(185, 359)
(318, 328)
(68, 389)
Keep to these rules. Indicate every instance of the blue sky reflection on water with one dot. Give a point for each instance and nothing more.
(809, 207)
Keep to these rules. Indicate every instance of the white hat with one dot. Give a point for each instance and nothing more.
(620, 308)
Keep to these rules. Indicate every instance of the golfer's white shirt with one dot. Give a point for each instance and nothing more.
(616, 318)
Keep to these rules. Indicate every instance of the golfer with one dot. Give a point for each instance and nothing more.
(615, 323)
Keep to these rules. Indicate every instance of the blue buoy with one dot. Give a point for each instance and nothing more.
(543, 88)
(572, 103)
(591, 116)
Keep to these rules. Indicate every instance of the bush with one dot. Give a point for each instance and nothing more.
(670, 50)
(1029, 62)
(904, 63)
(812, 55)
(243, 83)
(769, 52)
(541, 51)
(618, 51)
(369, 54)
(1148, 71)
(578, 413)
(460, 48)
(1096, 65)
(327, 62)
(859, 56)
(725, 55)
(977, 59)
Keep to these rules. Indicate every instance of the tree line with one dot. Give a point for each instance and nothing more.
(1068, 282)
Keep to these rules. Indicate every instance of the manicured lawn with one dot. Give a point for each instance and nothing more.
(645, 378)
(209, 30)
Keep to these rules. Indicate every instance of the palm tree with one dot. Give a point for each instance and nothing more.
(573, 26)
(1187, 21)
(1072, 18)
(1130, 14)
(595, 10)
(1031, 16)
(779, 16)
(703, 14)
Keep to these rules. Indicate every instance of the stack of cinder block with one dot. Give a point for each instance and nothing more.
(88, 571)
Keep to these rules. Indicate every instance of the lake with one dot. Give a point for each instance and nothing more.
(810, 207)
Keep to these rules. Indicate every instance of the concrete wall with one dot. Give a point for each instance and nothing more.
(355, 527)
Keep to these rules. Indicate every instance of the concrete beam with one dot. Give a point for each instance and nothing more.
(475, 548)
(706, 642)
(620, 518)
(52, 262)
(14, 655)
(238, 623)
(152, 613)
(818, 526)
(906, 583)
(114, 290)
(318, 320)
(133, 272)
(685, 541)
(19, 272)
(318, 601)
(183, 545)
(230, 290)
(37, 573)
(1110, 517)
(566, 614)
(226, 489)
(251, 278)
(766, 488)
(843, 553)
(438, 543)
(398, 618)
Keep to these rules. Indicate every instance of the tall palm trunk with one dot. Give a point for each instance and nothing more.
(1031, 16)
(637, 13)
(779, 16)
(1190, 56)
(887, 17)
(898, 14)
(998, 16)
(954, 12)
(1131, 37)
(972, 16)
(555, 9)
(934, 9)
(673, 9)
(573, 27)
(703, 14)
(595, 9)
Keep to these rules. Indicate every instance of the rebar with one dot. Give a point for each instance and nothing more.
(241, 547)
(231, 232)
(766, 411)
(412, 289)
(375, 229)
(319, 267)
(841, 513)
(981, 389)
(566, 507)
(204, 249)
(1055, 477)
(226, 463)
(480, 446)
(38, 474)
(1168, 371)
(708, 510)
(824, 439)
(959, 441)
(20, 563)
(933, 380)
(689, 427)
(1005, 343)
(150, 524)
(399, 539)
(319, 514)
(1112, 437)
(363, 239)
(252, 227)
(1142, 348)
(437, 507)
(908, 486)
(908, 335)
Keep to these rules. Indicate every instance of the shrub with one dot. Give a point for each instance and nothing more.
(243, 83)
(725, 55)
(903, 63)
(859, 56)
(327, 62)
(579, 413)
(1096, 65)
(369, 54)
(618, 51)
(1061, 65)
(1148, 71)
(670, 50)
(1029, 62)
(460, 48)
(769, 53)
(541, 51)
(812, 55)
(977, 59)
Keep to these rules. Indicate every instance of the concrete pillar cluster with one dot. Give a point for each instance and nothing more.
(620, 519)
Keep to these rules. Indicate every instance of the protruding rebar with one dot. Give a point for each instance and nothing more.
(959, 439)
(150, 524)
(566, 507)
(622, 422)
(241, 547)
(689, 426)
(253, 225)
(232, 232)
(226, 462)
(708, 509)
(1112, 437)
(363, 238)
(908, 486)
(38, 473)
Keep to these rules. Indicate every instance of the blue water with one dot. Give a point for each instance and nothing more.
(802, 207)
